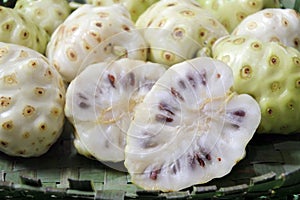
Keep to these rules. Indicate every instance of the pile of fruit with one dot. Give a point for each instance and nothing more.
(175, 89)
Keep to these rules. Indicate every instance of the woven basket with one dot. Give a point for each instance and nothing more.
(270, 170)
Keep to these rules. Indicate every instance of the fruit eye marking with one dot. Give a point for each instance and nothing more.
(5, 101)
(274, 60)
(162, 118)
(111, 79)
(28, 111)
(10, 79)
(176, 94)
(8, 125)
(165, 107)
(4, 144)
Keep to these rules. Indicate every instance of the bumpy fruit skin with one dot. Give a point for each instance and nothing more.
(178, 30)
(93, 34)
(48, 14)
(18, 29)
(135, 7)
(32, 96)
(100, 102)
(231, 13)
(190, 127)
(268, 71)
(273, 24)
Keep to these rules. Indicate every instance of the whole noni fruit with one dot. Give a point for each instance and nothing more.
(92, 34)
(268, 71)
(135, 7)
(48, 14)
(273, 24)
(16, 28)
(32, 96)
(177, 30)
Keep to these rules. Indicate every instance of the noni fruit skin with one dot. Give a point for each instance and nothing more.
(93, 34)
(270, 72)
(16, 28)
(177, 30)
(135, 7)
(231, 13)
(32, 96)
(273, 24)
(48, 14)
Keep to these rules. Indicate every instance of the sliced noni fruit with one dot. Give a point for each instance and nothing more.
(100, 102)
(93, 34)
(190, 128)
(274, 25)
(32, 97)
(268, 71)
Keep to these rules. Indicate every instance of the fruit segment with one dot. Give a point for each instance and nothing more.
(100, 102)
(190, 128)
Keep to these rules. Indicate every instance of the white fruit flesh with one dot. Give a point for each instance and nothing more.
(93, 34)
(32, 98)
(100, 102)
(190, 128)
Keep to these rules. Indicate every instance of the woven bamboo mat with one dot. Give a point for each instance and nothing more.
(271, 169)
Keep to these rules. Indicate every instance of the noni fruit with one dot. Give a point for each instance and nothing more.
(92, 34)
(32, 97)
(268, 71)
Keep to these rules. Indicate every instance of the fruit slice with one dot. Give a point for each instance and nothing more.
(100, 102)
(190, 128)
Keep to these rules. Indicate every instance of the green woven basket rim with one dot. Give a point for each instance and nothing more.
(271, 169)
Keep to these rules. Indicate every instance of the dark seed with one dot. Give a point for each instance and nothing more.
(208, 157)
(191, 81)
(182, 84)
(111, 79)
(235, 126)
(203, 78)
(162, 118)
(240, 113)
(83, 105)
(200, 160)
(192, 161)
(165, 107)
(81, 96)
(176, 94)
(131, 79)
(154, 174)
